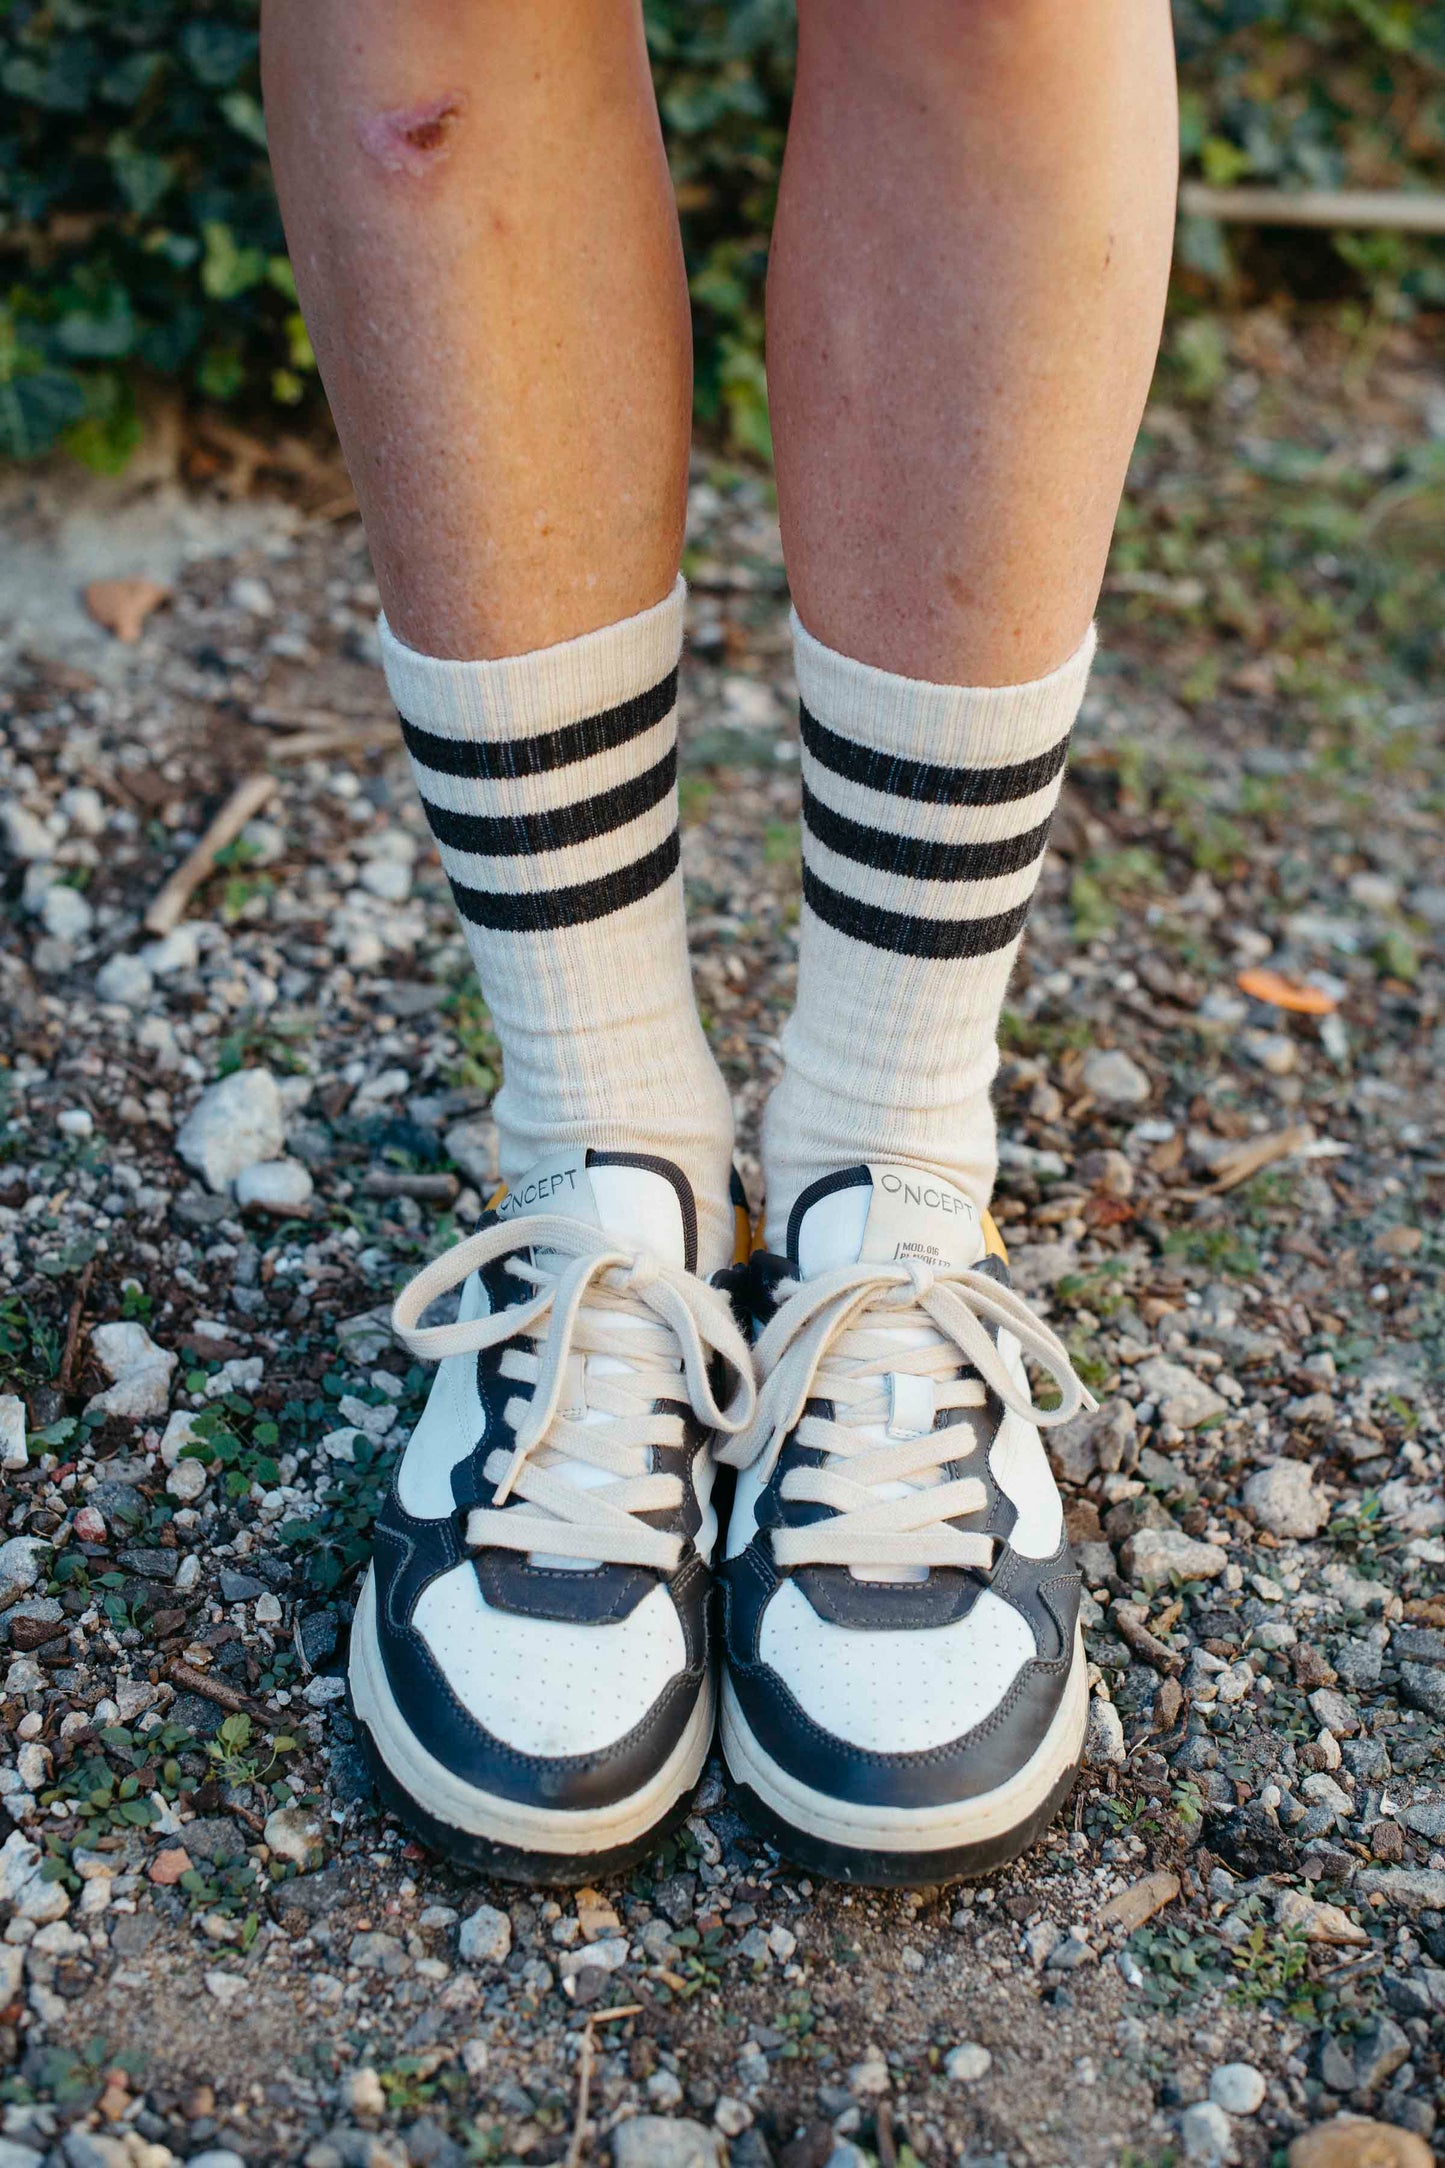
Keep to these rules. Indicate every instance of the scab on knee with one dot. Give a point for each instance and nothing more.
(412, 139)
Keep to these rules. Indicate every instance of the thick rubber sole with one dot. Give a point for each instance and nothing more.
(893, 1847)
(505, 1838)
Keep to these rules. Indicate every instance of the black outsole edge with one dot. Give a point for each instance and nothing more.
(509, 1862)
(901, 1870)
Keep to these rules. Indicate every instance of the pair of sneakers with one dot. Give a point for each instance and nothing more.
(903, 1686)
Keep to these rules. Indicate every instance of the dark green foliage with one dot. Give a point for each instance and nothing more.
(139, 235)
(139, 227)
(1315, 94)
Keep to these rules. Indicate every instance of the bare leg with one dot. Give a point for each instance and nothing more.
(482, 228)
(964, 301)
(487, 253)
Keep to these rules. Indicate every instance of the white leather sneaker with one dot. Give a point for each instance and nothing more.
(905, 1692)
(530, 1659)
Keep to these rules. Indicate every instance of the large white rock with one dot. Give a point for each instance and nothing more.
(65, 914)
(142, 1372)
(279, 1186)
(1206, 2136)
(1284, 1499)
(186, 1481)
(1181, 1396)
(1416, 1509)
(1104, 1739)
(179, 950)
(42, 1901)
(20, 1565)
(1156, 1554)
(179, 1432)
(965, 2065)
(486, 1937)
(12, 1431)
(233, 1125)
(387, 878)
(122, 1347)
(665, 2141)
(472, 1144)
(1238, 2088)
(125, 979)
(26, 837)
(1115, 1078)
(19, 1865)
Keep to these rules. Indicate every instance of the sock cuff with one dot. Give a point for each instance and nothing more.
(913, 719)
(524, 695)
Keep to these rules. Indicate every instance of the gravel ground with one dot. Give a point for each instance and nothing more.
(222, 1147)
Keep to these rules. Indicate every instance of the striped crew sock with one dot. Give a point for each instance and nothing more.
(925, 813)
(550, 783)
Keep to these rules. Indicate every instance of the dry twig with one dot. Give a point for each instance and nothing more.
(348, 738)
(246, 800)
(1250, 1159)
(192, 1681)
(1391, 210)
(65, 1377)
(578, 2141)
(283, 715)
(1129, 1620)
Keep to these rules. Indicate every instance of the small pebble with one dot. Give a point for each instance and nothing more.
(967, 2063)
(1237, 2088)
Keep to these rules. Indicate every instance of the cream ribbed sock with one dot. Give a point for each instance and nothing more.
(550, 782)
(925, 813)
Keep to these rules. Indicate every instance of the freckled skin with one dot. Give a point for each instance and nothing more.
(965, 290)
(481, 224)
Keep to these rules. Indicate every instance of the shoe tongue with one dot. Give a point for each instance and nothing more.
(641, 1202)
(883, 1214)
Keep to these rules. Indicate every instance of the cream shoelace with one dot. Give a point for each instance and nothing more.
(606, 1333)
(886, 1344)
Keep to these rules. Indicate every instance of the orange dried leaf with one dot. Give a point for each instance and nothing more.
(1282, 993)
(123, 606)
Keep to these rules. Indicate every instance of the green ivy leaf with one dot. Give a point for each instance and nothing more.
(216, 53)
(105, 330)
(141, 176)
(228, 270)
(36, 409)
(245, 116)
(129, 80)
(58, 77)
(219, 373)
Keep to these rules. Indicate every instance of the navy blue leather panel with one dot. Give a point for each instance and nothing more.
(447, 1730)
(976, 1762)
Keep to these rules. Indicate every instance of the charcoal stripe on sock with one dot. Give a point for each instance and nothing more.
(915, 858)
(921, 779)
(495, 760)
(543, 910)
(907, 933)
(559, 827)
